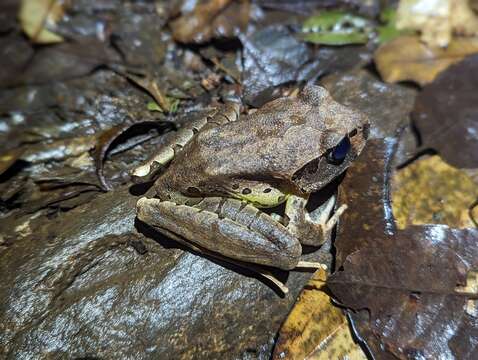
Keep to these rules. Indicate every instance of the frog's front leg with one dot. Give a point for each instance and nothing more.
(176, 143)
(230, 227)
(313, 228)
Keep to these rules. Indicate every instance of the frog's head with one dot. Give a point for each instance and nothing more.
(344, 135)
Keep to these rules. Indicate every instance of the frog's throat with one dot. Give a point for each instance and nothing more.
(263, 200)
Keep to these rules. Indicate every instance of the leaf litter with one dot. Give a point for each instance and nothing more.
(412, 288)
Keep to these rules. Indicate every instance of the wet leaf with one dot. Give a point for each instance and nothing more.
(315, 328)
(437, 20)
(402, 283)
(211, 19)
(445, 114)
(429, 191)
(37, 16)
(107, 138)
(8, 13)
(15, 53)
(407, 58)
(336, 28)
(63, 61)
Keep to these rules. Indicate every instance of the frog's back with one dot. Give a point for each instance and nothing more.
(274, 142)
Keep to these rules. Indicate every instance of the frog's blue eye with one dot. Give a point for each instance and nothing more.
(339, 152)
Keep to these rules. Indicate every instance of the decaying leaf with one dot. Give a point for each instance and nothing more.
(366, 184)
(211, 19)
(150, 84)
(429, 191)
(407, 58)
(315, 328)
(402, 283)
(336, 28)
(37, 15)
(437, 20)
(445, 114)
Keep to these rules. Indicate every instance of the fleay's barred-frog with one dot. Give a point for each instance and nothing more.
(225, 168)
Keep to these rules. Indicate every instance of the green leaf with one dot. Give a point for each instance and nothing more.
(153, 106)
(336, 28)
(388, 31)
(174, 104)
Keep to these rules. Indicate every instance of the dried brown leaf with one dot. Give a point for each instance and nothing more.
(211, 19)
(405, 279)
(445, 114)
(407, 58)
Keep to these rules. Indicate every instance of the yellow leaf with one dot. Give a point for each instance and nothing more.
(315, 328)
(437, 20)
(429, 191)
(35, 17)
(407, 58)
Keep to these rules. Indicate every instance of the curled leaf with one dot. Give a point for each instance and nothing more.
(37, 15)
(211, 19)
(407, 58)
(106, 139)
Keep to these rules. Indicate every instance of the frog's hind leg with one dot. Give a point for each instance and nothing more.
(313, 228)
(230, 227)
(176, 143)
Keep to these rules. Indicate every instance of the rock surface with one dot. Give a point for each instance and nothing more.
(77, 286)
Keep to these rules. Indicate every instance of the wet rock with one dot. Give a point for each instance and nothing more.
(274, 56)
(75, 286)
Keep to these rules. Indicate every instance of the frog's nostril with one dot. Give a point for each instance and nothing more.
(268, 190)
(246, 191)
(353, 133)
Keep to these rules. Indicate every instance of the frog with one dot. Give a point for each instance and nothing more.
(222, 174)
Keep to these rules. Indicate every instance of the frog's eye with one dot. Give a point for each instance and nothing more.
(338, 153)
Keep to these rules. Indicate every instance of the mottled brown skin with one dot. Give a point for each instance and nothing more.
(227, 167)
